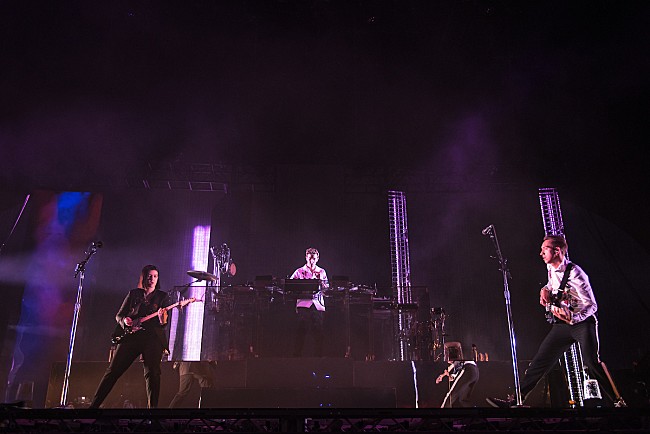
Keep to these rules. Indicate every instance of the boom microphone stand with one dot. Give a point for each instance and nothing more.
(503, 267)
(79, 271)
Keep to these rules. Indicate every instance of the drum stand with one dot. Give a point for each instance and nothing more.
(370, 356)
(438, 333)
(346, 311)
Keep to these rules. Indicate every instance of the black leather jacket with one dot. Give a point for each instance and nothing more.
(135, 306)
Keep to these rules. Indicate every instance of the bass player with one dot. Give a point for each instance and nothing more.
(149, 340)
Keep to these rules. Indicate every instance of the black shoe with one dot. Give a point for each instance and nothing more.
(500, 403)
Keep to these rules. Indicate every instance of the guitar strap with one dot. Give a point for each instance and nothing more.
(550, 318)
(138, 302)
(565, 278)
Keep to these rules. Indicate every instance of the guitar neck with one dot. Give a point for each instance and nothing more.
(155, 314)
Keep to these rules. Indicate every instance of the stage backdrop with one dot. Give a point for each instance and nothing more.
(268, 232)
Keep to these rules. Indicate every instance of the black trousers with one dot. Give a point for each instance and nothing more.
(142, 342)
(188, 373)
(309, 319)
(558, 341)
(460, 390)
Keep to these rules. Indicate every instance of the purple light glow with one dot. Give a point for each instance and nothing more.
(194, 313)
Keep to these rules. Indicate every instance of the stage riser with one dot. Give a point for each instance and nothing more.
(346, 397)
(255, 383)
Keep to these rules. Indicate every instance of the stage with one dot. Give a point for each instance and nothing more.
(531, 420)
(306, 382)
(307, 395)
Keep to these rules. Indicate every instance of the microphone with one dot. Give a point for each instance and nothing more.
(93, 247)
(487, 230)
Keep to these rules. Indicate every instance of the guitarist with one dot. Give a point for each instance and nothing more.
(149, 340)
(574, 308)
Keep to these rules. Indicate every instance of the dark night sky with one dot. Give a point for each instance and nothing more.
(547, 92)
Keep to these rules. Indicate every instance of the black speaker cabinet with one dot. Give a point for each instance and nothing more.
(299, 397)
(302, 372)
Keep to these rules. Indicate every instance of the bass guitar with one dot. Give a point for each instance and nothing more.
(120, 332)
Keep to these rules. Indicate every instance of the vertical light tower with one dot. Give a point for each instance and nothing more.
(549, 201)
(401, 270)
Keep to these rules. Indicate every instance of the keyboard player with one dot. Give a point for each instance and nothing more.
(310, 311)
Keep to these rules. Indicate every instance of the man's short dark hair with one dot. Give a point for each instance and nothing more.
(312, 251)
(557, 241)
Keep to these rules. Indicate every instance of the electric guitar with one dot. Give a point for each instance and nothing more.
(559, 299)
(120, 332)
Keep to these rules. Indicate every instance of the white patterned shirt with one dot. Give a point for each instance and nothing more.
(580, 296)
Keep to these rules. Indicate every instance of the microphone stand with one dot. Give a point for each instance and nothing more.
(346, 308)
(503, 267)
(79, 271)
